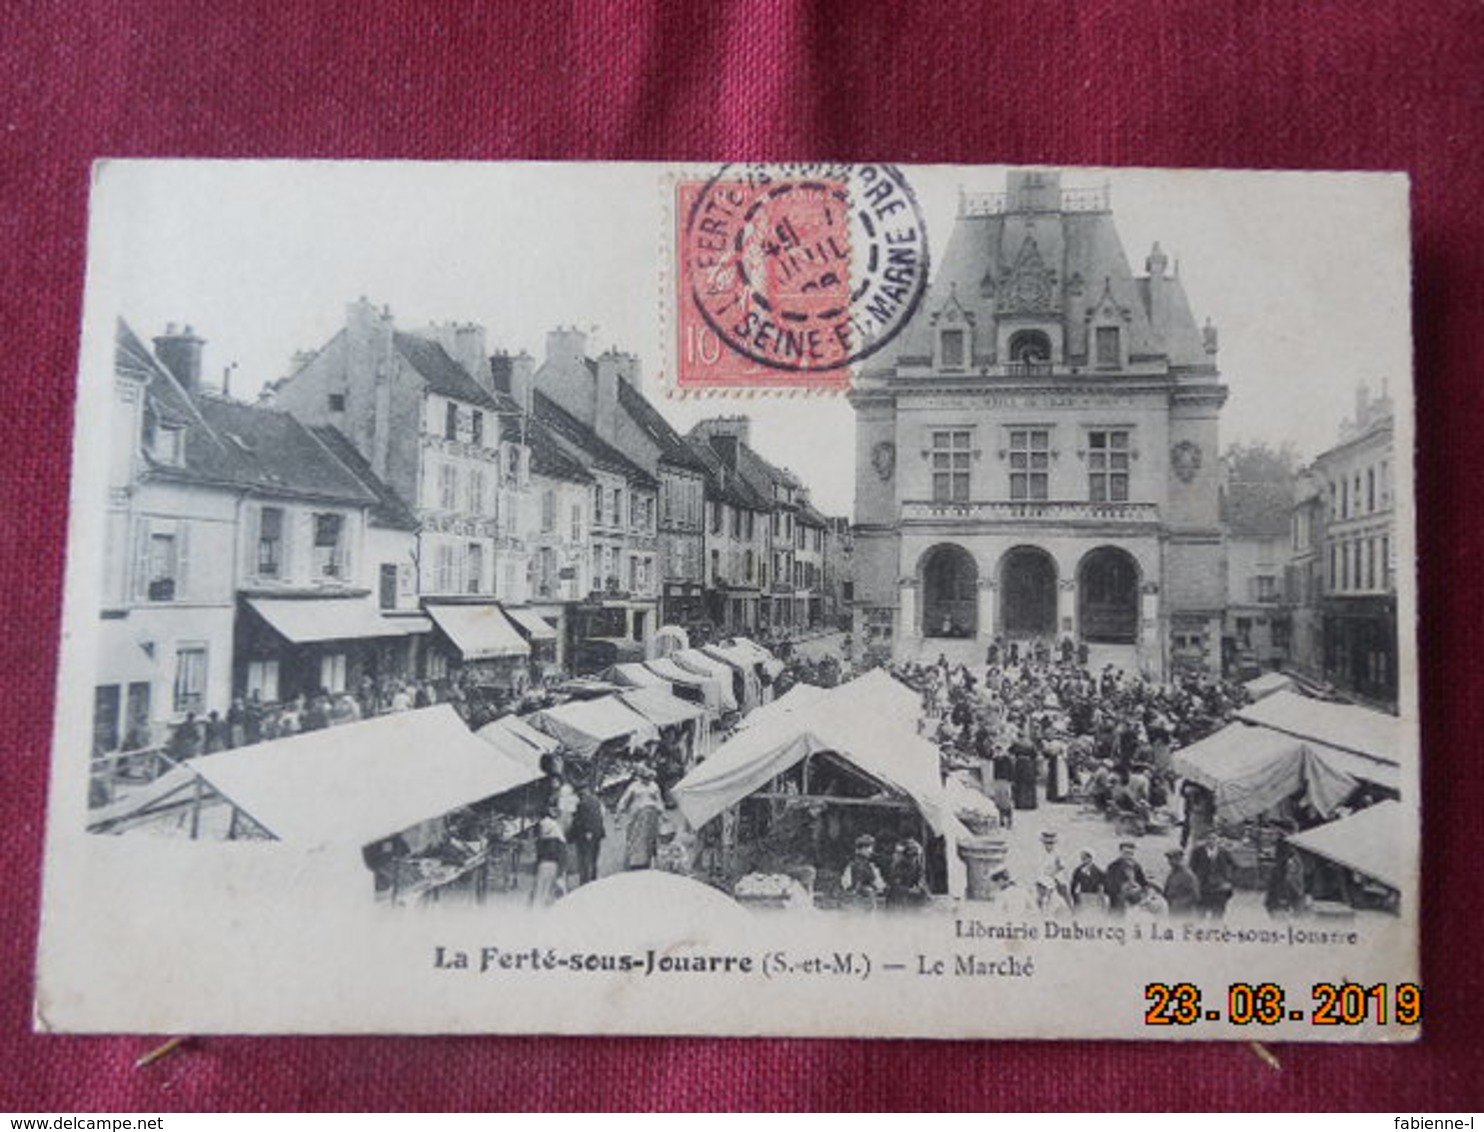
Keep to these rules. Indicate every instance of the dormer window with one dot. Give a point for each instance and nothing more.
(163, 441)
(1108, 346)
(951, 347)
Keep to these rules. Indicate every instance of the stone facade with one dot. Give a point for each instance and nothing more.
(1036, 455)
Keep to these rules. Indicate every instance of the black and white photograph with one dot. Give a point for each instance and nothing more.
(816, 600)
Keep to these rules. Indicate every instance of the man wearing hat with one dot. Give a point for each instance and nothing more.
(1051, 875)
(1182, 890)
(861, 879)
(1123, 875)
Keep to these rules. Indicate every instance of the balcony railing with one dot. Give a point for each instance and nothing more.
(1069, 200)
(1038, 510)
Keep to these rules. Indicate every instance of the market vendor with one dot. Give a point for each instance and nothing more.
(907, 877)
(861, 879)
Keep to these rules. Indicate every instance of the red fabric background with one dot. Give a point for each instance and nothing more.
(1393, 85)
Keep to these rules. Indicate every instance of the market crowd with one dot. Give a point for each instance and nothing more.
(1039, 725)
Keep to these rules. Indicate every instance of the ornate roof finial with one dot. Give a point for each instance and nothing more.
(1157, 262)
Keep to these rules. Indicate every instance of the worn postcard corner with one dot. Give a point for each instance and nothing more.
(798, 599)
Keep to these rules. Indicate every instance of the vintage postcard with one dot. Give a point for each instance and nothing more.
(837, 600)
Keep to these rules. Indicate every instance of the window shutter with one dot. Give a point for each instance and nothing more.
(525, 467)
(286, 543)
(182, 560)
(304, 529)
(252, 524)
(349, 527)
(141, 559)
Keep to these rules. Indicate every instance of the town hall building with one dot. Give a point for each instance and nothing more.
(1037, 451)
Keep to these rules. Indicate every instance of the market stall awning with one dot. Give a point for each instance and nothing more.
(634, 676)
(1369, 841)
(479, 632)
(536, 627)
(1267, 684)
(358, 783)
(512, 746)
(583, 726)
(1374, 734)
(771, 664)
(710, 687)
(536, 743)
(126, 654)
(306, 620)
(743, 665)
(849, 720)
(1251, 769)
(660, 707)
(794, 700)
(694, 660)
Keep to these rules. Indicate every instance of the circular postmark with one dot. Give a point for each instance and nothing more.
(805, 267)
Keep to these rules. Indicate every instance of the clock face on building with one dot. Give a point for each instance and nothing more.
(1032, 291)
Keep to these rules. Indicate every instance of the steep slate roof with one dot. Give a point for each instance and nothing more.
(1078, 246)
(761, 475)
(811, 515)
(673, 450)
(582, 443)
(389, 510)
(275, 453)
(443, 375)
(548, 458)
(1257, 510)
(232, 445)
(721, 482)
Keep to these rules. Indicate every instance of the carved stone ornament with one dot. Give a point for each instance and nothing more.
(1186, 458)
(884, 459)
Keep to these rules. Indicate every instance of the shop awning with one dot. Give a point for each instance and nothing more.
(660, 707)
(360, 782)
(1251, 769)
(532, 624)
(583, 726)
(479, 632)
(303, 621)
(1369, 841)
(1374, 734)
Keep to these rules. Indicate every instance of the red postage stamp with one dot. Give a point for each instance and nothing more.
(787, 276)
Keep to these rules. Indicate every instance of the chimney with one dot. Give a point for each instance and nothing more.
(180, 353)
(629, 370)
(605, 410)
(725, 435)
(470, 353)
(368, 334)
(566, 344)
(513, 375)
(725, 446)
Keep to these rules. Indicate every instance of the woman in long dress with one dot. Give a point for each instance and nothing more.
(642, 805)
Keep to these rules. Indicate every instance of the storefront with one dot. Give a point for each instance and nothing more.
(289, 647)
